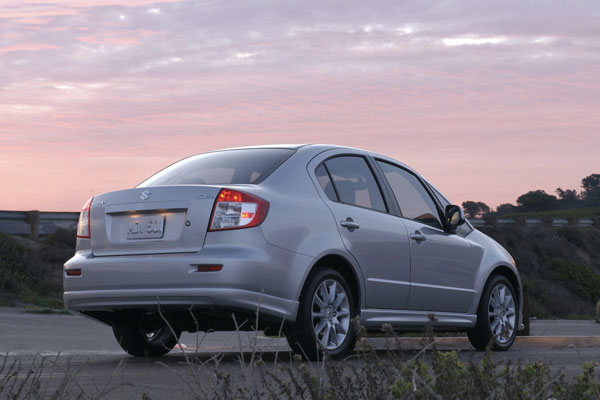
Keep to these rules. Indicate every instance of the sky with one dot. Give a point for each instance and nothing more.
(487, 100)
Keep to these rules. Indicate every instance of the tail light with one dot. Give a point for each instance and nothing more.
(233, 210)
(83, 226)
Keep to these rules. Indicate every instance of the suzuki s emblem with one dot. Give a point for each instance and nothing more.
(145, 195)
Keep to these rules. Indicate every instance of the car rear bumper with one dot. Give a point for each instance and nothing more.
(254, 277)
(151, 299)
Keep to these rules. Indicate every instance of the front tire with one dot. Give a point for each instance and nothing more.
(324, 321)
(148, 336)
(497, 316)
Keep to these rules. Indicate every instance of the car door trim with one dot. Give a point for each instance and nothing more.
(388, 281)
(454, 289)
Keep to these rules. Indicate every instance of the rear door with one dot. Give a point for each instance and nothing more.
(443, 264)
(377, 240)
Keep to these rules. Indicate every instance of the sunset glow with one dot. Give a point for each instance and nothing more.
(487, 100)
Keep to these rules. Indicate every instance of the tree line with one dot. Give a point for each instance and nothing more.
(539, 200)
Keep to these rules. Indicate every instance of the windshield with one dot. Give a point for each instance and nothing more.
(241, 166)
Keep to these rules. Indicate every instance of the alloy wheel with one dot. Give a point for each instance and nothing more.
(502, 313)
(330, 314)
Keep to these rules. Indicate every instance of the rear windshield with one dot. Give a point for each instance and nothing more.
(222, 167)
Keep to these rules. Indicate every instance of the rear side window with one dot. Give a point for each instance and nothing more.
(354, 182)
(222, 167)
(325, 182)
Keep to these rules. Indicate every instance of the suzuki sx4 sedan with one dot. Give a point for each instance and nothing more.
(305, 238)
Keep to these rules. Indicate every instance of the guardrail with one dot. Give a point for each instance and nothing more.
(494, 222)
(35, 223)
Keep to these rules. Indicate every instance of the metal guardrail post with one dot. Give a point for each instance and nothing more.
(33, 219)
(547, 221)
(491, 221)
(526, 316)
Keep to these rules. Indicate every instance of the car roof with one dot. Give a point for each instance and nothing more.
(313, 149)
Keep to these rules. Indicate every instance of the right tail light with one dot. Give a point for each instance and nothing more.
(234, 210)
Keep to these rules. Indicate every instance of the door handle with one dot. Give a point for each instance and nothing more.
(418, 237)
(350, 224)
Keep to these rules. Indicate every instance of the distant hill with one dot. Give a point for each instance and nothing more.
(560, 267)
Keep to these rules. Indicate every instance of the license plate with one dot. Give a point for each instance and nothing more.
(150, 227)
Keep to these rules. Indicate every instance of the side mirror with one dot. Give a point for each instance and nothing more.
(454, 217)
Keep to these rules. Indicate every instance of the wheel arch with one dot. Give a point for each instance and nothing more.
(512, 276)
(507, 272)
(342, 265)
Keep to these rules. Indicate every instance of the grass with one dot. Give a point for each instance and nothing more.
(393, 373)
(367, 374)
(31, 272)
(589, 212)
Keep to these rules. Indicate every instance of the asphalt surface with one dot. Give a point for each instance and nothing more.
(29, 334)
(71, 354)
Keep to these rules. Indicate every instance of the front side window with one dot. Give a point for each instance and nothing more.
(441, 198)
(413, 199)
(354, 182)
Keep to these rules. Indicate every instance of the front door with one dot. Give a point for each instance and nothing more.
(443, 264)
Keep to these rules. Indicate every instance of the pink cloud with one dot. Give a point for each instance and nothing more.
(34, 12)
(27, 47)
(128, 37)
(34, 21)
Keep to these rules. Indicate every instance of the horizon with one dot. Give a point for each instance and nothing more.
(493, 208)
(486, 101)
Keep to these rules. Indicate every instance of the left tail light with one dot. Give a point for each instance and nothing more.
(83, 226)
(234, 210)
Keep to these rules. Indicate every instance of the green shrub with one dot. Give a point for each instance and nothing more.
(31, 272)
(534, 248)
(581, 279)
(12, 272)
(62, 237)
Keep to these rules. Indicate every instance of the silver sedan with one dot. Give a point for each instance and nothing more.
(305, 238)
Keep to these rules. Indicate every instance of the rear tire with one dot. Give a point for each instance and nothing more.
(497, 316)
(148, 336)
(324, 321)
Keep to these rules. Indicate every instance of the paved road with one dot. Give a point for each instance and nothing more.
(24, 333)
(60, 347)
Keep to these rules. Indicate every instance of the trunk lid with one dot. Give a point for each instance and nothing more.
(151, 220)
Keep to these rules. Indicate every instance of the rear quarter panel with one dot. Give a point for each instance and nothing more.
(298, 219)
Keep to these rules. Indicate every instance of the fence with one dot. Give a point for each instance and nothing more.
(36, 223)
